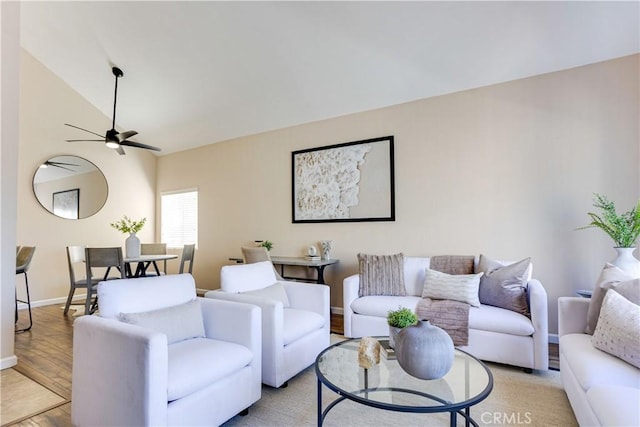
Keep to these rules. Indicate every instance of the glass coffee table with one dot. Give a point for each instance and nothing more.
(388, 386)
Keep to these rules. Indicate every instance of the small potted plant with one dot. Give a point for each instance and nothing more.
(398, 319)
(132, 243)
(267, 244)
(624, 229)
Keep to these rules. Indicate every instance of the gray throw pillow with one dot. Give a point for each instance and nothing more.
(381, 275)
(610, 275)
(178, 322)
(506, 287)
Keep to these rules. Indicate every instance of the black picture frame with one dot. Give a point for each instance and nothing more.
(66, 204)
(347, 182)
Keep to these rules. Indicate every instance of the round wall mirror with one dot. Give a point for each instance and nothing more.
(70, 187)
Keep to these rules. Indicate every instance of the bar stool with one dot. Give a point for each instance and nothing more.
(23, 261)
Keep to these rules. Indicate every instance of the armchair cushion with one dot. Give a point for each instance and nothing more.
(274, 292)
(247, 277)
(178, 323)
(298, 323)
(195, 363)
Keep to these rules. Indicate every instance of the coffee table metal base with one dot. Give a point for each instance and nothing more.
(465, 412)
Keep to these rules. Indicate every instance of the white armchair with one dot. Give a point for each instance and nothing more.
(132, 375)
(295, 317)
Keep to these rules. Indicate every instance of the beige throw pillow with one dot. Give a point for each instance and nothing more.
(381, 275)
(618, 329)
(457, 287)
(609, 276)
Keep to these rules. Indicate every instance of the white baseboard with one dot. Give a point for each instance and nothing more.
(553, 339)
(52, 301)
(8, 362)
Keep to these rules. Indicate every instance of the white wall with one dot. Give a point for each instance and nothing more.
(507, 170)
(46, 103)
(9, 76)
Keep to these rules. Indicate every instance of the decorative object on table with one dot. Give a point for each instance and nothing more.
(326, 249)
(346, 182)
(386, 350)
(312, 253)
(264, 244)
(132, 243)
(397, 320)
(424, 351)
(368, 352)
(624, 229)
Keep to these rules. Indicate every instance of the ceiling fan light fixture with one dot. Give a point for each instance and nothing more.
(44, 166)
(112, 144)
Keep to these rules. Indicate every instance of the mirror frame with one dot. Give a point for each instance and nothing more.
(68, 197)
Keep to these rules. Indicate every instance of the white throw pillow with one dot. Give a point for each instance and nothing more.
(457, 287)
(274, 292)
(618, 328)
(178, 322)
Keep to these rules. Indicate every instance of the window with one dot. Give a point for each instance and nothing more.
(179, 218)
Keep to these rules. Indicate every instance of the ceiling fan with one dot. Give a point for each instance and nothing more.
(60, 165)
(113, 138)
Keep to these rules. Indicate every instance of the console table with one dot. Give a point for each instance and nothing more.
(294, 261)
(319, 265)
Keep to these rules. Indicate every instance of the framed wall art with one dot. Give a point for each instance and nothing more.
(348, 182)
(66, 204)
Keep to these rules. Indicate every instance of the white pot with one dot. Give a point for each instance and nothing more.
(626, 261)
(132, 246)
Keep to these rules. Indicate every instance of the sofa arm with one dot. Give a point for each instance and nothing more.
(572, 315)
(119, 374)
(245, 318)
(539, 309)
(350, 288)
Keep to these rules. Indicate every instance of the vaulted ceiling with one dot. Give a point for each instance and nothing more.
(197, 73)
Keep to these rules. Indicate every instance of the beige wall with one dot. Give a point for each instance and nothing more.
(506, 170)
(46, 103)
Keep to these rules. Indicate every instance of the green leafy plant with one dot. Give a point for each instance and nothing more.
(624, 229)
(401, 318)
(127, 225)
(267, 244)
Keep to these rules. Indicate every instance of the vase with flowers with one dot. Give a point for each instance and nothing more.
(131, 243)
(624, 229)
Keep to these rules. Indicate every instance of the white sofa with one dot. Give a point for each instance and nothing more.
(495, 334)
(130, 375)
(295, 317)
(603, 390)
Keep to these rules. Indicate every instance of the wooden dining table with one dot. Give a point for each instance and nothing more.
(143, 262)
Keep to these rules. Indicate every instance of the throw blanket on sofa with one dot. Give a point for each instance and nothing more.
(452, 316)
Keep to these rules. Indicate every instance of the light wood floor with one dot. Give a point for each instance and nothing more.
(45, 355)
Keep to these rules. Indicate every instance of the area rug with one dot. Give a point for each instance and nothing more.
(517, 398)
(23, 398)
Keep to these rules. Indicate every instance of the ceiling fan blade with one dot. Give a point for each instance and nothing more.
(85, 140)
(97, 134)
(120, 150)
(126, 135)
(60, 163)
(139, 145)
(62, 167)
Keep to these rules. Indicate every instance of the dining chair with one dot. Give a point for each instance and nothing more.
(76, 261)
(101, 258)
(24, 255)
(258, 254)
(188, 253)
(154, 249)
